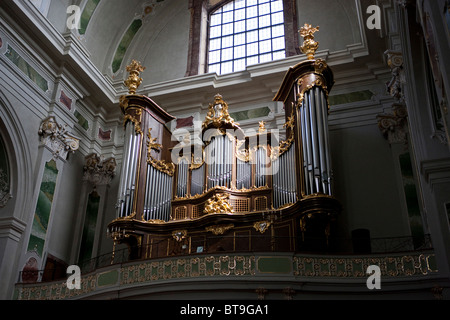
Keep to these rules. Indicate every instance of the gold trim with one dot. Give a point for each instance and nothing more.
(160, 165)
(219, 230)
(137, 122)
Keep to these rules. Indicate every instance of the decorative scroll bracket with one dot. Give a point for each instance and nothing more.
(57, 139)
(99, 171)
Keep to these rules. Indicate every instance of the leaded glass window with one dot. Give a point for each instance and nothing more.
(244, 33)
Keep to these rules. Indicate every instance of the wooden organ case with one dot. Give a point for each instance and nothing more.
(233, 192)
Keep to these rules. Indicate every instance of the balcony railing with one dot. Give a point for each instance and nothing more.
(263, 243)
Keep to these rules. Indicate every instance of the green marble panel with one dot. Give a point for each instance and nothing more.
(124, 43)
(81, 120)
(350, 97)
(43, 208)
(250, 114)
(274, 265)
(86, 15)
(90, 223)
(26, 68)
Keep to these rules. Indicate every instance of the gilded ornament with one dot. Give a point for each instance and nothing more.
(134, 80)
(262, 127)
(161, 165)
(179, 235)
(136, 121)
(218, 113)
(262, 226)
(218, 204)
(309, 46)
(219, 230)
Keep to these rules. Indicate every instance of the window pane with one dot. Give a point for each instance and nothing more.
(264, 21)
(278, 31)
(239, 4)
(252, 48)
(216, 19)
(252, 24)
(239, 39)
(227, 29)
(278, 43)
(215, 32)
(227, 67)
(277, 18)
(227, 41)
(277, 5)
(228, 6)
(252, 2)
(252, 12)
(227, 17)
(227, 54)
(239, 14)
(239, 52)
(239, 65)
(252, 60)
(214, 44)
(265, 46)
(214, 68)
(214, 56)
(279, 55)
(239, 26)
(252, 36)
(265, 58)
(264, 9)
(264, 34)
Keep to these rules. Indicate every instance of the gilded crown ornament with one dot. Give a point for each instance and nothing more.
(218, 113)
(134, 80)
(309, 46)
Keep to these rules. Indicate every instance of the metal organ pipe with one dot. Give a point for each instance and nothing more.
(124, 170)
(315, 142)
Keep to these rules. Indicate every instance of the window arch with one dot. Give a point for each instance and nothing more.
(245, 32)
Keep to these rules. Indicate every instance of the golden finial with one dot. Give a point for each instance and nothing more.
(262, 127)
(309, 46)
(134, 81)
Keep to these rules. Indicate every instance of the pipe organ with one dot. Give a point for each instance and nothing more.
(275, 193)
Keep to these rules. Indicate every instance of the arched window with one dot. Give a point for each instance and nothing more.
(244, 33)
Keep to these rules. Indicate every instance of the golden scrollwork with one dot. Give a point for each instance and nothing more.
(309, 46)
(315, 83)
(218, 113)
(134, 80)
(262, 226)
(151, 143)
(242, 153)
(218, 204)
(161, 165)
(219, 229)
(179, 235)
(137, 122)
